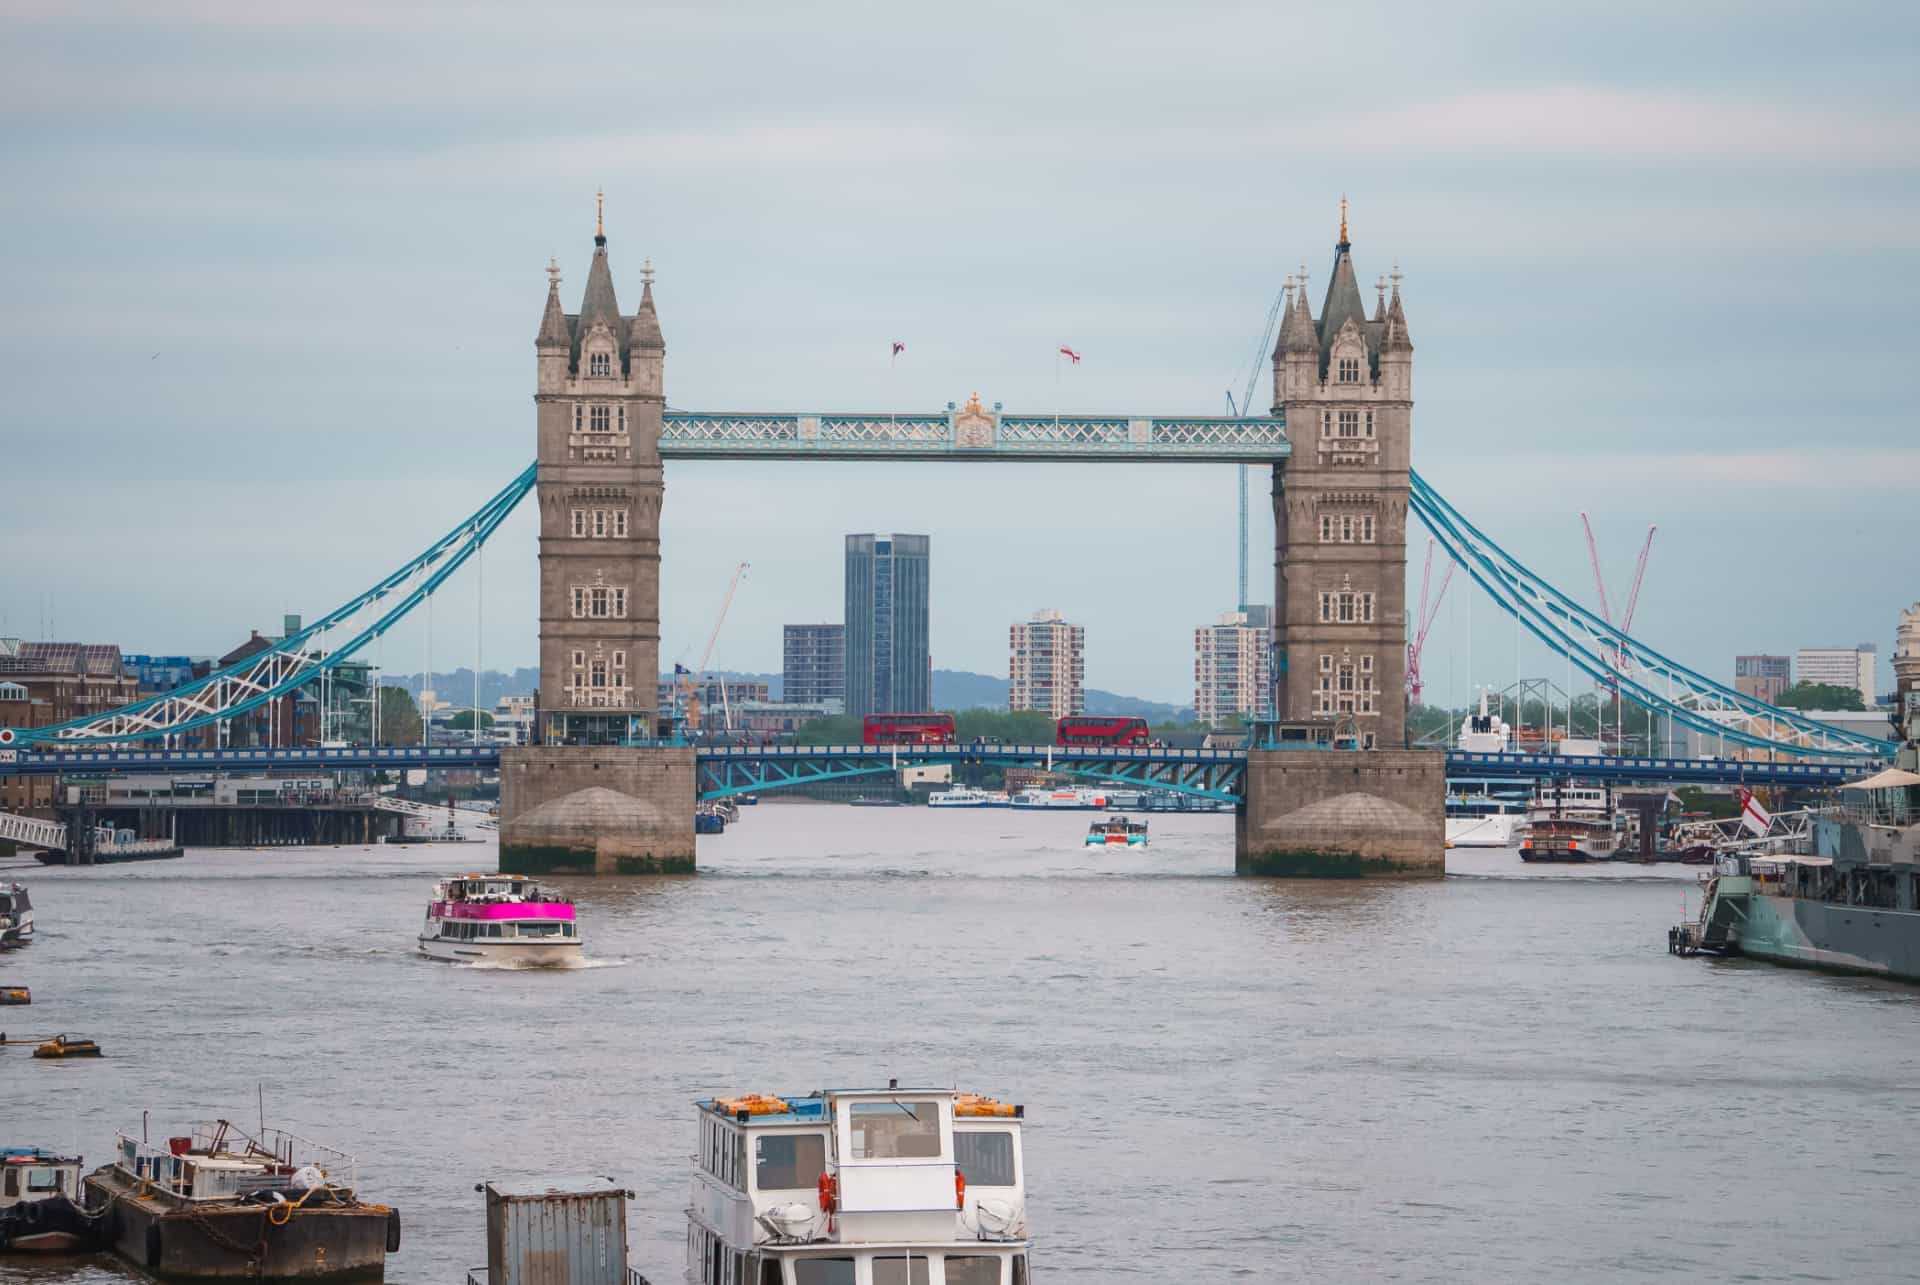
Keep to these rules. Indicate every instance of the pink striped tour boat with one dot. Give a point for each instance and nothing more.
(499, 919)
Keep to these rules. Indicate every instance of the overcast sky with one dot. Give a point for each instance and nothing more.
(273, 273)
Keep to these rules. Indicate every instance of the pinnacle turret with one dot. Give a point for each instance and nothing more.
(553, 322)
(1395, 338)
(645, 331)
(1299, 335)
(1286, 322)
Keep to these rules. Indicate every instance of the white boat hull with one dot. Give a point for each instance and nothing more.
(1498, 830)
(559, 952)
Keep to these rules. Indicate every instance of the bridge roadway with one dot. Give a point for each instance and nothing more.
(742, 769)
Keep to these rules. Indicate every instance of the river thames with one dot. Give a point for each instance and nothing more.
(1502, 1076)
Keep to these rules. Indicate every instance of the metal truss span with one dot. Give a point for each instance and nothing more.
(1624, 663)
(293, 661)
(729, 770)
(971, 432)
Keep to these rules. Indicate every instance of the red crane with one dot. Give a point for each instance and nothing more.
(1423, 621)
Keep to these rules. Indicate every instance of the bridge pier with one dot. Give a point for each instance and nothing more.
(601, 810)
(1343, 814)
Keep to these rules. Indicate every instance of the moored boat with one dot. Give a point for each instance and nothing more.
(16, 915)
(67, 1046)
(1117, 832)
(890, 1186)
(1571, 822)
(1482, 821)
(38, 1188)
(222, 1204)
(965, 796)
(503, 919)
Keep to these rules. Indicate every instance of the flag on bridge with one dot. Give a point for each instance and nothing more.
(1752, 815)
(898, 347)
(1070, 354)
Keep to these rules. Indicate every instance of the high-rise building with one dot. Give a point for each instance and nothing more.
(813, 666)
(1840, 667)
(1345, 384)
(598, 402)
(889, 666)
(1046, 665)
(1233, 668)
(1762, 677)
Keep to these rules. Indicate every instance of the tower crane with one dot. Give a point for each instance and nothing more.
(690, 690)
(1424, 618)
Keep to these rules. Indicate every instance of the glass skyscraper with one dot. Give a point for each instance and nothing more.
(888, 662)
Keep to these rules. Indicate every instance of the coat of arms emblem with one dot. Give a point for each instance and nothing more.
(973, 426)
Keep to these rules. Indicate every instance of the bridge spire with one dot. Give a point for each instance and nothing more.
(553, 322)
(1394, 338)
(1344, 242)
(1298, 335)
(645, 331)
(600, 216)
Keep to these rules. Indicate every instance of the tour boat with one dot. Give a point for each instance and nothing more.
(1117, 832)
(1571, 822)
(223, 1204)
(885, 1186)
(1069, 797)
(16, 915)
(964, 796)
(38, 1193)
(1482, 821)
(502, 919)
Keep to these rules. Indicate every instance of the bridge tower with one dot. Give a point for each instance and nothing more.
(595, 793)
(1344, 383)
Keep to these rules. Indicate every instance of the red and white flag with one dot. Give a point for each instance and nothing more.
(1070, 354)
(1752, 815)
(898, 347)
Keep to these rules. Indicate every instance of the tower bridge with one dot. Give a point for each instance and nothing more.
(607, 788)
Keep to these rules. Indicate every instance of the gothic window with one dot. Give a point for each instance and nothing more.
(599, 364)
(1326, 423)
(1349, 423)
(579, 523)
(576, 417)
(579, 606)
(1326, 529)
(620, 604)
(1366, 529)
(1367, 741)
(599, 524)
(1369, 423)
(600, 419)
(598, 672)
(620, 524)
(1346, 608)
(1349, 370)
(1326, 662)
(598, 602)
(1346, 530)
(1366, 664)
(579, 659)
(1366, 608)
(1326, 608)
(623, 419)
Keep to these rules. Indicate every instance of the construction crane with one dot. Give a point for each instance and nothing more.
(1423, 620)
(1243, 407)
(1615, 658)
(690, 691)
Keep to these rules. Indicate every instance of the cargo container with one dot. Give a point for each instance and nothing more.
(556, 1231)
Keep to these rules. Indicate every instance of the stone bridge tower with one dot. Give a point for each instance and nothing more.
(598, 405)
(1345, 385)
(596, 793)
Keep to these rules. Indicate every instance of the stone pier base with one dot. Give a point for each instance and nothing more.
(1343, 814)
(596, 810)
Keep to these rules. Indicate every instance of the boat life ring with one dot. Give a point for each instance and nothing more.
(959, 1190)
(829, 1189)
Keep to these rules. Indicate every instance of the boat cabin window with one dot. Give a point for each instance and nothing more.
(985, 1158)
(894, 1130)
(540, 928)
(45, 1180)
(792, 1162)
(974, 1269)
(1019, 1269)
(823, 1271)
(13, 1182)
(900, 1271)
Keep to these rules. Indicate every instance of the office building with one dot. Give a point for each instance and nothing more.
(889, 664)
(1840, 667)
(813, 665)
(1762, 677)
(1233, 669)
(1046, 665)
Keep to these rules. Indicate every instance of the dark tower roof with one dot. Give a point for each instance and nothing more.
(553, 322)
(1298, 335)
(1395, 337)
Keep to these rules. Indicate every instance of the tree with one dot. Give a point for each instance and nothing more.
(1821, 696)
(463, 721)
(399, 717)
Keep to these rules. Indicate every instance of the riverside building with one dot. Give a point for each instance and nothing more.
(1046, 665)
(889, 664)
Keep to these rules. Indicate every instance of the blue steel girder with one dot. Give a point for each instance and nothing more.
(725, 771)
(971, 432)
(723, 779)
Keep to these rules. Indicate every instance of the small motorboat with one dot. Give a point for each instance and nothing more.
(1117, 832)
(11, 995)
(64, 1046)
(38, 1210)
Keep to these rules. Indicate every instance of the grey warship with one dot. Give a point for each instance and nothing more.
(1852, 902)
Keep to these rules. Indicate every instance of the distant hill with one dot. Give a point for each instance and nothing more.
(960, 689)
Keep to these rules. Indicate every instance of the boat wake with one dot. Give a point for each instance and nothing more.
(528, 966)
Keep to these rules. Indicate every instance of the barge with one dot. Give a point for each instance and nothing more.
(885, 1186)
(221, 1204)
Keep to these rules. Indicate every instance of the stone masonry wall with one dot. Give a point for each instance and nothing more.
(1343, 814)
(600, 810)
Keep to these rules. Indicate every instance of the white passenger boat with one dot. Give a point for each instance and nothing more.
(965, 796)
(500, 919)
(1482, 821)
(1571, 822)
(1117, 832)
(858, 1187)
(1068, 797)
(1484, 733)
(16, 915)
(39, 1201)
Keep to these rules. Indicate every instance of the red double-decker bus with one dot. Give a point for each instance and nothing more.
(907, 729)
(1099, 729)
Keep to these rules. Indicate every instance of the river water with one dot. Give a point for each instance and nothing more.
(1499, 1077)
